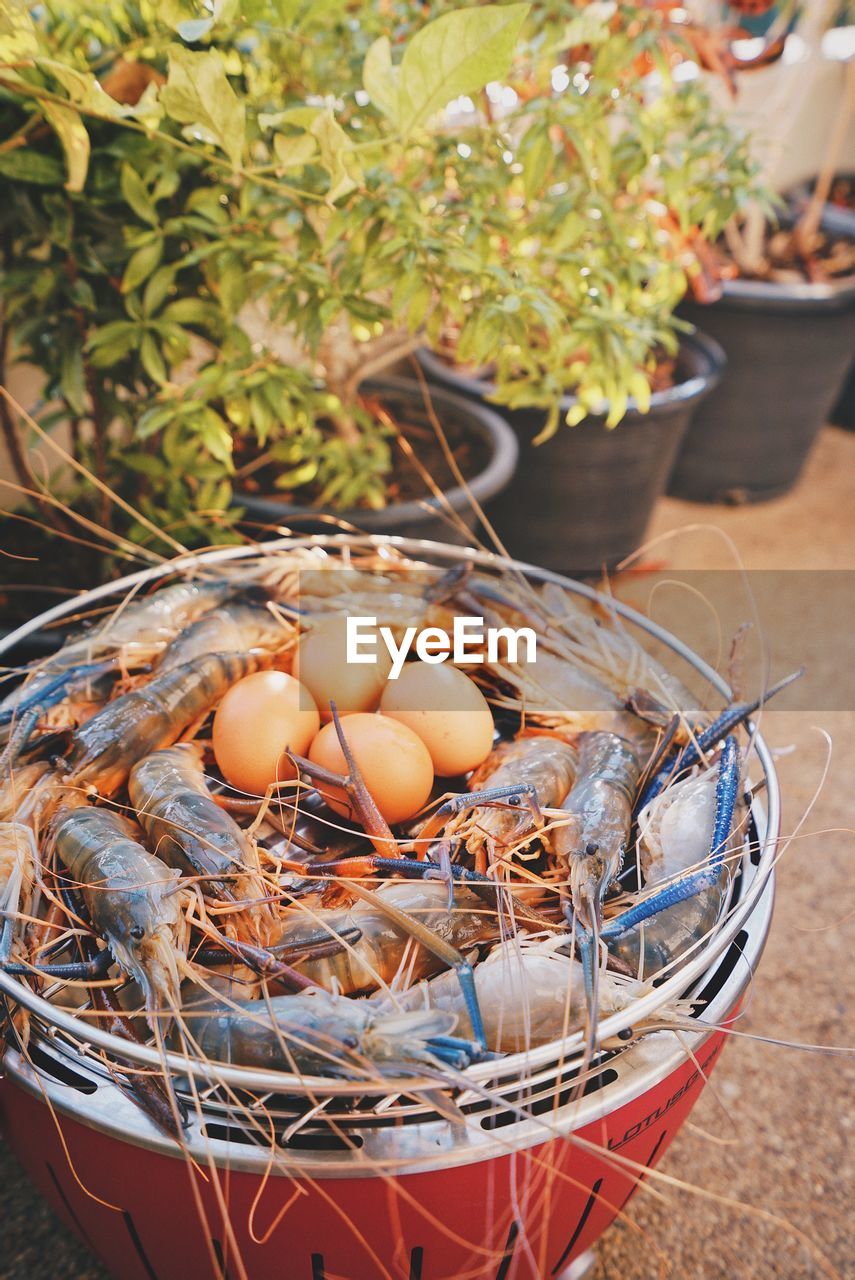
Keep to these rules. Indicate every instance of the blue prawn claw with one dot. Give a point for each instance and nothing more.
(726, 792)
(705, 741)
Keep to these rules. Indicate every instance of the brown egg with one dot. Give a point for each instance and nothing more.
(258, 719)
(321, 665)
(446, 710)
(394, 762)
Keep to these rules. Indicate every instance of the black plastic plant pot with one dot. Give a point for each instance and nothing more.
(843, 413)
(788, 347)
(583, 499)
(403, 398)
(840, 219)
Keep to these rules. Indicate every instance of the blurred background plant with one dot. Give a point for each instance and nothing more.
(219, 218)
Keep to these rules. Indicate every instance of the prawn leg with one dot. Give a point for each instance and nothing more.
(512, 795)
(726, 795)
(457, 1053)
(318, 945)
(265, 964)
(49, 694)
(96, 967)
(353, 784)
(723, 725)
(418, 869)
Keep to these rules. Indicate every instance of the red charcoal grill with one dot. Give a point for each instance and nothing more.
(376, 1187)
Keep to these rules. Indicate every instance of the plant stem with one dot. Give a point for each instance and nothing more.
(160, 534)
(99, 426)
(808, 224)
(396, 350)
(281, 188)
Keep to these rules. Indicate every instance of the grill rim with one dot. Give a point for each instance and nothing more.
(114, 1115)
(562, 1051)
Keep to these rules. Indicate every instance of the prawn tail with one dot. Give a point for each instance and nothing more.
(29, 794)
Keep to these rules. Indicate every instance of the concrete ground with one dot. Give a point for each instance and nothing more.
(774, 1133)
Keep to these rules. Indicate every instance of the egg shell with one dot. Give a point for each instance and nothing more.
(446, 710)
(393, 761)
(321, 665)
(257, 720)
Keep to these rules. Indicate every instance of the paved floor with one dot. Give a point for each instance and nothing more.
(775, 1133)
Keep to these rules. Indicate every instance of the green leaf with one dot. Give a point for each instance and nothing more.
(18, 39)
(135, 193)
(337, 155)
(536, 161)
(182, 17)
(70, 130)
(306, 472)
(458, 53)
(31, 166)
(153, 420)
(590, 27)
(116, 329)
(380, 78)
(294, 153)
(639, 389)
(418, 308)
(141, 264)
(261, 415)
(237, 411)
(157, 289)
(152, 360)
(214, 434)
(109, 353)
(193, 311)
(198, 94)
(71, 382)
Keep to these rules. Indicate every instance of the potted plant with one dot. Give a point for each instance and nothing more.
(620, 170)
(784, 313)
(206, 256)
(838, 216)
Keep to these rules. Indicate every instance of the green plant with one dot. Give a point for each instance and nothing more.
(218, 218)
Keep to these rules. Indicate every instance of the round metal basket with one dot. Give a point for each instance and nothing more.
(512, 1180)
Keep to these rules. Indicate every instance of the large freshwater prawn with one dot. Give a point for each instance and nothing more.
(132, 898)
(104, 749)
(189, 831)
(132, 636)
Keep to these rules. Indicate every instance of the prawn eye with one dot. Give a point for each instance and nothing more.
(350, 1042)
(137, 932)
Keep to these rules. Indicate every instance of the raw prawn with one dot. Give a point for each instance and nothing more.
(529, 993)
(155, 715)
(676, 836)
(322, 1034)
(133, 634)
(541, 768)
(188, 830)
(378, 954)
(236, 627)
(18, 860)
(130, 896)
(599, 808)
